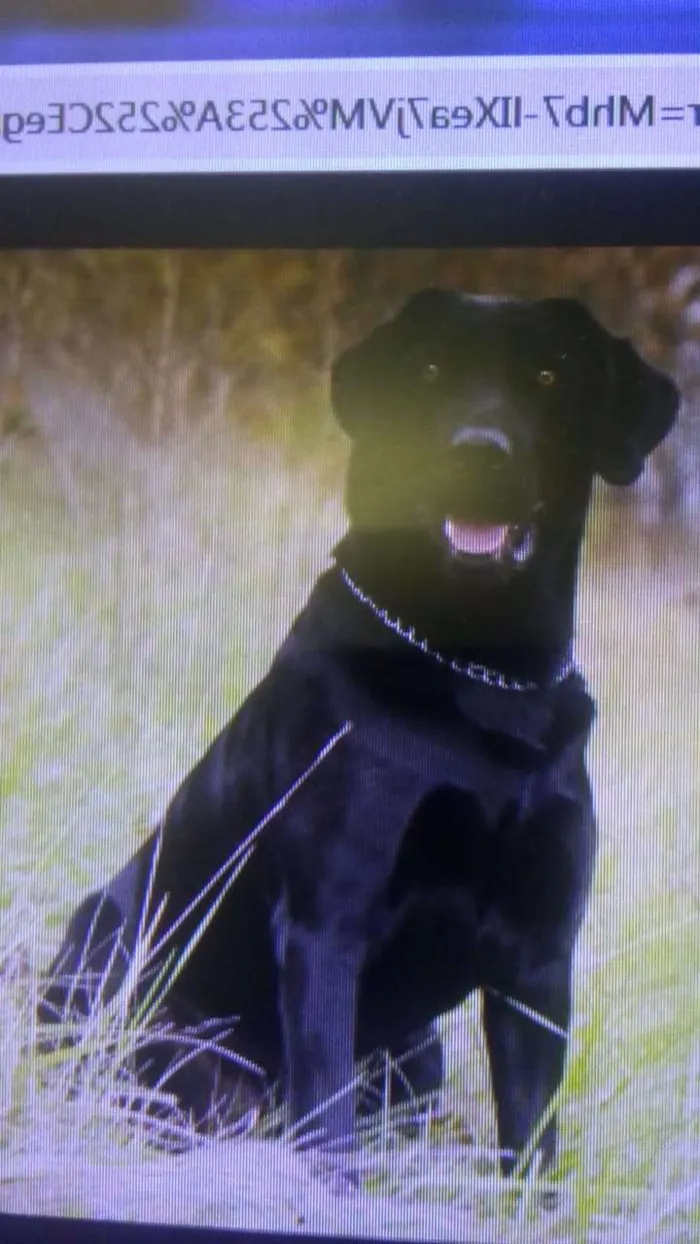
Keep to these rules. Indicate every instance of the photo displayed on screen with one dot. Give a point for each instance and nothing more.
(350, 721)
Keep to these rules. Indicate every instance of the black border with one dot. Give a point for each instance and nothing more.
(18, 1229)
(638, 208)
(37, 1230)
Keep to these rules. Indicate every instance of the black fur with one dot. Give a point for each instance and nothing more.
(446, 842)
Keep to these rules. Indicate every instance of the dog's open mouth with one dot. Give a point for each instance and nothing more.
(486, 499)
(489, 541)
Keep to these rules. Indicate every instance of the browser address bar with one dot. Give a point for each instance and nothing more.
(459, 113)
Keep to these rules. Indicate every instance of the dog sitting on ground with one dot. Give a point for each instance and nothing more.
(409, 778)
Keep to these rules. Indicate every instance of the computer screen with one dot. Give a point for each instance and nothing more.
(349, 499)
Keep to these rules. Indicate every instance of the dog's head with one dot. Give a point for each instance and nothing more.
(478, 422)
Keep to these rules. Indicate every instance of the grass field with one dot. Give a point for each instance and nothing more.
(144, 591)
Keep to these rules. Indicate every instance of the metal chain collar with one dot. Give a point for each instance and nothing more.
(472, 669)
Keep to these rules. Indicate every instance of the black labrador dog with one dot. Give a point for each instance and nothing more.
(409, 777)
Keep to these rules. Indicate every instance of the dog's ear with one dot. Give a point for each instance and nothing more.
(637, 405)
(641, 409)
(364, 377)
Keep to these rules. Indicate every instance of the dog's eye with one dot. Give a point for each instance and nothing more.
(547, 378)
(431, 373)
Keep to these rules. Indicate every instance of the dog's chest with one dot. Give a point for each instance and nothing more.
(460, 835)
(499, 855)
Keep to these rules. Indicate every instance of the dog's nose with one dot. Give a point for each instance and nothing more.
(483, 436)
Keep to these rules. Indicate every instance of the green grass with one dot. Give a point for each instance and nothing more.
(144, 592)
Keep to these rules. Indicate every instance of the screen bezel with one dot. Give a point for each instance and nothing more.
(352, 210)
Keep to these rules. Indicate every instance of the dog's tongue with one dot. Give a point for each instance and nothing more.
(479, 539)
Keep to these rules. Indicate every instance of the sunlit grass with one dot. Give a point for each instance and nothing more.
(145, 591)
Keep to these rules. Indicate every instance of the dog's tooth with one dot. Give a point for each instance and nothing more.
(523, 550)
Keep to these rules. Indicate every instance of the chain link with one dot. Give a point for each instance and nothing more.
(472, 669)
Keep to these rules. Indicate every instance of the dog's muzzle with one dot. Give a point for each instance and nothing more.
(487, 516)
(483, 436)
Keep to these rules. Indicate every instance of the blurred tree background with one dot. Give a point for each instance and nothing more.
(174, 336)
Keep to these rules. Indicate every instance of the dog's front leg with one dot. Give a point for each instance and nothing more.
(334, 856)
(526, 1036)
(318, 997)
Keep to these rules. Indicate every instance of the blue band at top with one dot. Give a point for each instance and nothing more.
(268, 29)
